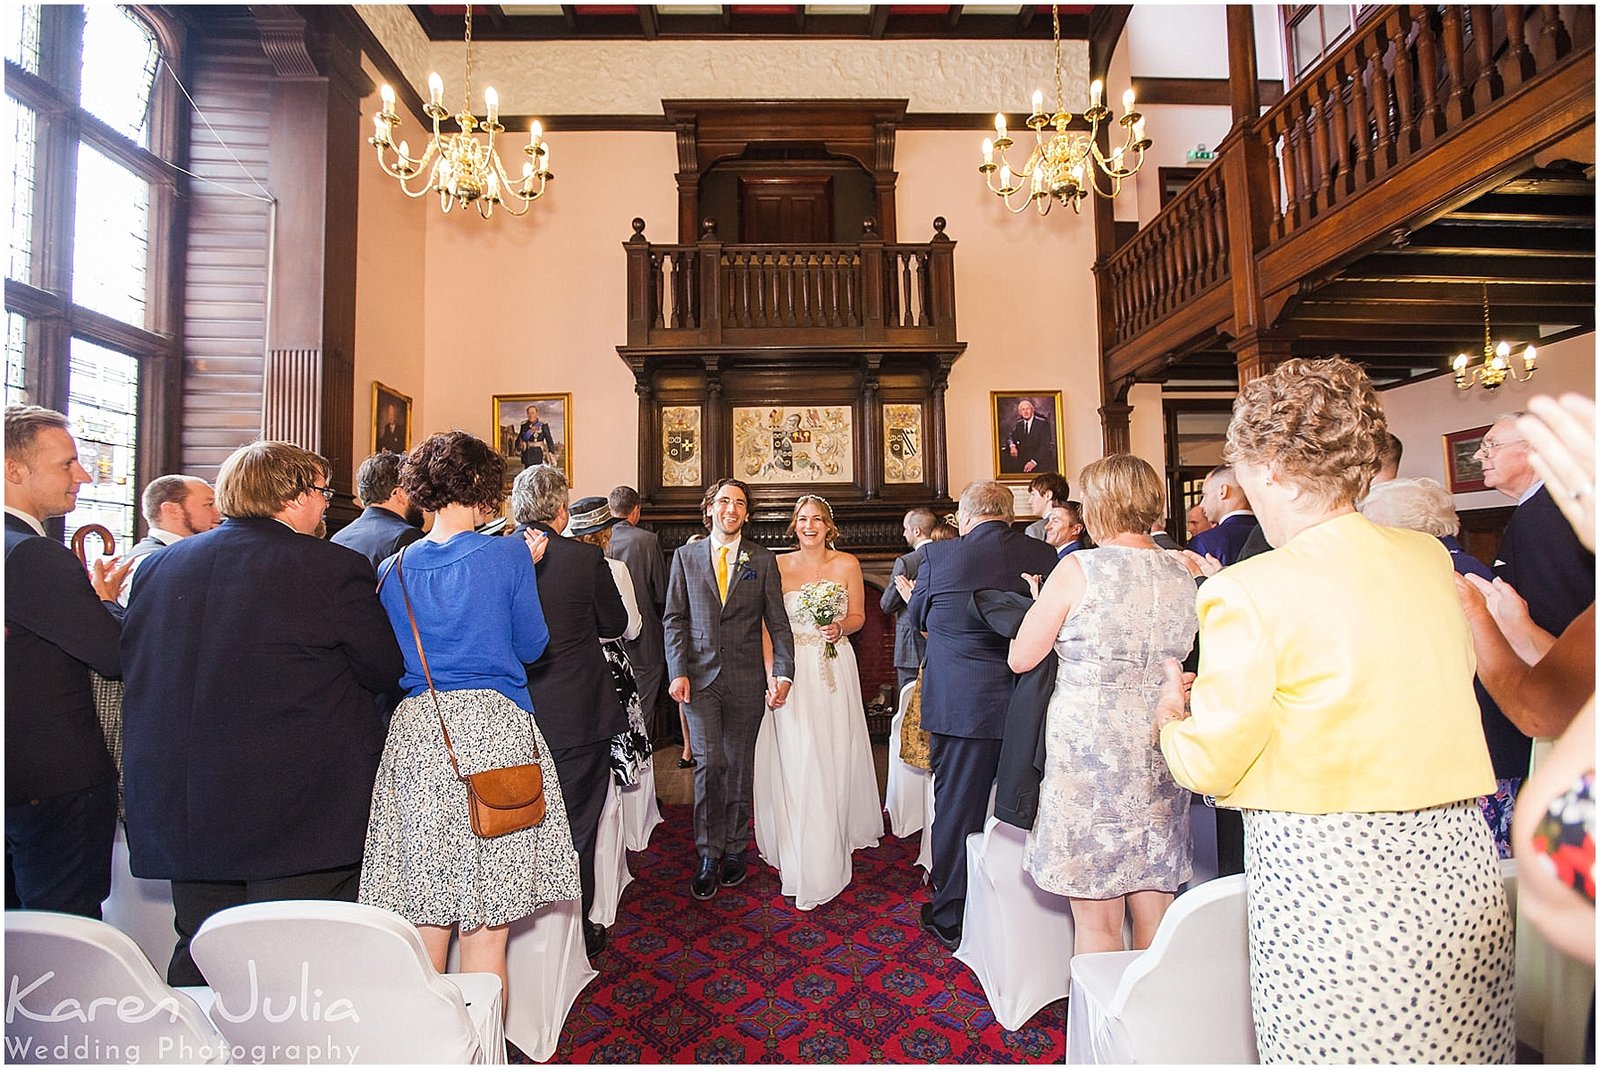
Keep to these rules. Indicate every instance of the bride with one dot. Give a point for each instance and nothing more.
(816, 792)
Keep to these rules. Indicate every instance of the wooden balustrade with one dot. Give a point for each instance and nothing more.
(710, 293)
(1181, 254)
(1405, 80)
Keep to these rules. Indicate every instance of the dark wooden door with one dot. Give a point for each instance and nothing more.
(785, 210)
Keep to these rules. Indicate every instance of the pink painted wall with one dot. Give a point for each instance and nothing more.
(391, 254)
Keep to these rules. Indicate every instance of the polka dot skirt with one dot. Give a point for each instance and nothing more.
(1378, 937)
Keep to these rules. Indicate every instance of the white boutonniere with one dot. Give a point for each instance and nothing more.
(744, 557)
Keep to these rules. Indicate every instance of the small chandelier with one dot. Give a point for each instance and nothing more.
(1064, 166)
(1496, 366)
(462, 169)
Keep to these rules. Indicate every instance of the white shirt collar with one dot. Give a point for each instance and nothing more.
(31, 521)
(920, 543)
(164, 536)
(732, 544)
(1235, 512)
(1538, 484)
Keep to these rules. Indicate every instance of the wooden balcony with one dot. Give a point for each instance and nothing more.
(1438, 149)
(715, 296)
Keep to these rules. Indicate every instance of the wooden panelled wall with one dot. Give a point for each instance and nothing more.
(278, 102)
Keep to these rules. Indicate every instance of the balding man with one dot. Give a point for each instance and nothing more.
(1225, 505)
(175, 506)
(917, 529)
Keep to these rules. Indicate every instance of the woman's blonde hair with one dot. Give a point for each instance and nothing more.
(1315, 423)
(1121, 494)
(601, 538)
(260, 479)
(827, 517)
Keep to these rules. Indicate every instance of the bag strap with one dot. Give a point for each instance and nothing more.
(416, 636)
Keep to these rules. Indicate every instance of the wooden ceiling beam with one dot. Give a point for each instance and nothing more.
(1470, 239)
(1398, 267)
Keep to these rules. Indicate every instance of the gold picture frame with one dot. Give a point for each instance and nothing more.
(1021, 453)
(393, 435)
(523, 445)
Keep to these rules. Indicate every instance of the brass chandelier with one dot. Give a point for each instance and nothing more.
(1495, 366)
(462, 168)
(1064, 166)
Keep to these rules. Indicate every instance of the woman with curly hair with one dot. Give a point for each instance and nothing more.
(475, 604)
(1334, 706)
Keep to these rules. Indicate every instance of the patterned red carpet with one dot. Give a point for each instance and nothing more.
(745, 978)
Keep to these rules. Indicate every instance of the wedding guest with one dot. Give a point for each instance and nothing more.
(174, 507)
(1112, 829)
(816, 793)
(640, 550)
(252, 655)
(1372, 887)
(1064, 528)
(917, 529)
(389, 519)
(1227, 508)
(61, 785)
(474, 603)
(966, 683)
(1045, 491)
(1390, 452)
(1195, 521)
(574, 700)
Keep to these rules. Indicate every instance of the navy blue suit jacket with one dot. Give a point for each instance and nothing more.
(966, 682)
(377, 534)
(250, 738)
(1226, 539)
(56, 630)
(1543, 560)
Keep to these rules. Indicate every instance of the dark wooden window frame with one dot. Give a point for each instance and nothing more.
(44, 299)
(1171, 409)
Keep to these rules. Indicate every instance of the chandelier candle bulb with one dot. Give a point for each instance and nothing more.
(1038, 102)
(435, 88)
(491, 101)
(1127, 100)
(999, 126)
(988, 151)
(387, 95)
(1096, 88)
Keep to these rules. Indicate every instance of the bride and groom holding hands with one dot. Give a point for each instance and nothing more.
(757, 653)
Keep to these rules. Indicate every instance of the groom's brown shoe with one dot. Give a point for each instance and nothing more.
(704, 884)
(733, 870)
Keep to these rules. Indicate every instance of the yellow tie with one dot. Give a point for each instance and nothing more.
(722, 573)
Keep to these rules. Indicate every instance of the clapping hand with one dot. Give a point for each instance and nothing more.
(108, 574)
(1561, 434)
(1033, 584)
(905, 586)
(1198, 566)
(1172, 704)
(537, 542)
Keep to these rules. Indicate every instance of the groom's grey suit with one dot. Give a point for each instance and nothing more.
(717, 647)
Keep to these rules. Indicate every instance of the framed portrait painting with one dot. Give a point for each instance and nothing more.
(1028, 437)
(1463, 471)
(534, 428)
(391, 419)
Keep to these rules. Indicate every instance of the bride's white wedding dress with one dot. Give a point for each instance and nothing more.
(816, 794)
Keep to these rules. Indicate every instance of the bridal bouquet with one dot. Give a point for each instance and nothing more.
(824, 602)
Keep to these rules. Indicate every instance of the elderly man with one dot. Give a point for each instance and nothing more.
(574, 700)
(250, 738)
(174, 506)
(1225, 505)
(61, 787)
(1063, 528)
(389, 522)
(1031, 445)
(966, 684)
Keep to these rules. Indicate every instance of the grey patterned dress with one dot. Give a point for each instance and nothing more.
(1111, 820)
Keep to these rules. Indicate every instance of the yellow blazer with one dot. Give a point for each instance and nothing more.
(1335, 677)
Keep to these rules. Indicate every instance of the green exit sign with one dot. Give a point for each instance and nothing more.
(1201, 154)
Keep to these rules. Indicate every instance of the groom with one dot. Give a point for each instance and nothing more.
(721, 591)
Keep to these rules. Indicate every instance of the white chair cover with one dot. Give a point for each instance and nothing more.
(112, 1005)
(640, 814)
(348, 980)
(1015, 937)
(140, 908)
(1186, 999)
(546, 968)
(611, 875)
(904, 792)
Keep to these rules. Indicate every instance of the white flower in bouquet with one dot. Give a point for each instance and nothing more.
(825, 602)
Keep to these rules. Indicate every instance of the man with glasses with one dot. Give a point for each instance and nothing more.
(250, 736)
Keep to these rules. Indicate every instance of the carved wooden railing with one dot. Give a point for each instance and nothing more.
(1403, 82)
(709, 293)
(1181, 254)
(1409, 78)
